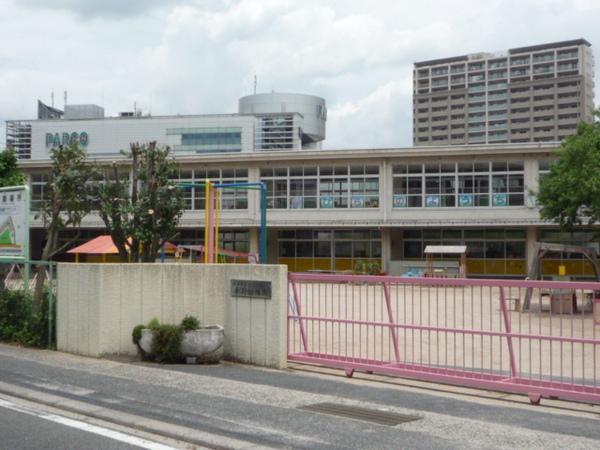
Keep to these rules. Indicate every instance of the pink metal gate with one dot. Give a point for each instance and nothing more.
(468, 332)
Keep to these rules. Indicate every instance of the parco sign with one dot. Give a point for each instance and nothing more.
(56, 139)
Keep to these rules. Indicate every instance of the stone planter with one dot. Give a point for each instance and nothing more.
(205, 344)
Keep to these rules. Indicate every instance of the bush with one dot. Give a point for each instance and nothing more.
(136, 335)
(17, 322)
(167, 343)
(190, 323)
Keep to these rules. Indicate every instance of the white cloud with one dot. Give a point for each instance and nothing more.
(201, 56)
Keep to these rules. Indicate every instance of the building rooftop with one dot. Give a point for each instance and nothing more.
(531, 48)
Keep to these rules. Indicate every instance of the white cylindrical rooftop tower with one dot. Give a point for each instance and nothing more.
(312, 109)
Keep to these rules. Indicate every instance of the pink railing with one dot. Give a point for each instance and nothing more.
(468, 332)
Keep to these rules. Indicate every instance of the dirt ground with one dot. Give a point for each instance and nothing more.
(447, 326)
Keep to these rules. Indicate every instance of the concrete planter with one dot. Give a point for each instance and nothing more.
(204, 344)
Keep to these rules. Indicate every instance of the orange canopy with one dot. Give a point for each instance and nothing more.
(101, 245)
(104, 245)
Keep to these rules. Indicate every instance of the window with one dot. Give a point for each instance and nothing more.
(326, 187)
(230, 198)
(464, 184)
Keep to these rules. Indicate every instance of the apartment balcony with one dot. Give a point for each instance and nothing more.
(474, 109)
(520, 115)
(497, 86)
(497, 117)
(497, 137)
(477, 89)
(458, 69)
(543, 70)
(457, 120)
(497, 76)
(519, 62)
(545, 102)
(476, 128)
(497, 107)
(568, 66)
(498, 126)
(544, 133)
(503, 96)
(563, 56)
(568, 89)
(518, 134)
(541, 59)
(571, 110)
(524, 94)
(439, 132)
(476, 139)
(569, 121)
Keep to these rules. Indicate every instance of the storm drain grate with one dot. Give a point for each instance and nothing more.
(358, 413)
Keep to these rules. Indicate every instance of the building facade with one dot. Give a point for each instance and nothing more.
(265, 122)
(528, 94)
(333, 210)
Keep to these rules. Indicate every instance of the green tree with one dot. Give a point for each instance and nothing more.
(142, 213)
(68, 198)
(10, 174)
(570, 193)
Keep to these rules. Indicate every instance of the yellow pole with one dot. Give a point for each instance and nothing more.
(217, 208)
(206, 214)
(76, 257)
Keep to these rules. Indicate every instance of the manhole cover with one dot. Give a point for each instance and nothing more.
(358, 413)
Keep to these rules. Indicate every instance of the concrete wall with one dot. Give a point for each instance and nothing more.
(99, 304)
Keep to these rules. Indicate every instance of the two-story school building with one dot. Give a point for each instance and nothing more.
(328, 210)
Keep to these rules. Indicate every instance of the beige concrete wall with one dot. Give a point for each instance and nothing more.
(99, 304)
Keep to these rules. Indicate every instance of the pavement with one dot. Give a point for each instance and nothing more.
(236, 406)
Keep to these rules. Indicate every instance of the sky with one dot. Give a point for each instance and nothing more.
(197, 57)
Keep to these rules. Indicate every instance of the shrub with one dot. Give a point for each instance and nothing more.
(136, 335)
(167, 343)
(190, 323)
(19, 324)
(153, 324)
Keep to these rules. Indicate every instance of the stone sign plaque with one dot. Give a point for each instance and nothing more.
(251, 288)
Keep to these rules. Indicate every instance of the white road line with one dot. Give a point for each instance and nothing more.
(112, 434)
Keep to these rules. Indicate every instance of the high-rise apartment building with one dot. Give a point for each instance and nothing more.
(527, 94)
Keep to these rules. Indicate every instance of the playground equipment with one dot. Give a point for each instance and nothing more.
(212, 209)
(432, 250)
(543, 248)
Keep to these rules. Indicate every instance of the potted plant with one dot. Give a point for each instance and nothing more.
(173, 343)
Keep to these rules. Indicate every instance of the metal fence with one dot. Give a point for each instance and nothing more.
(469, 332)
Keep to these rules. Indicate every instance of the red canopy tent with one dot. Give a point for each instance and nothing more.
(104, 245)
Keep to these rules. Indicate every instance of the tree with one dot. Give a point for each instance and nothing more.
(10, 174)
(67, 200)
(570, 193)
(141, 214)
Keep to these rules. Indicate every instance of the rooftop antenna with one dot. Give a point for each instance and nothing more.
(52, 98)
(255, 82)
(65, 99)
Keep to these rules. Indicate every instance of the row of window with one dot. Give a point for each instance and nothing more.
(466, 184)
(481, 244)
(429, 185)
(329, 243)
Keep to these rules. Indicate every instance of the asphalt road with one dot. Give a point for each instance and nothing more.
(261, 407)
(22, 431)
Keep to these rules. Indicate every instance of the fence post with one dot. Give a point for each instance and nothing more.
(507, 327)
(299, 312)
(386, 290)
